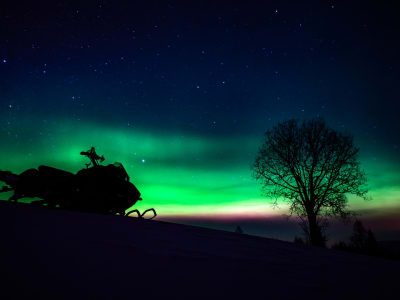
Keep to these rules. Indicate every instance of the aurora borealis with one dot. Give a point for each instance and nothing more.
(182, 94)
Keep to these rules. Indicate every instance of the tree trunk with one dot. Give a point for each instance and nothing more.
(315, 235)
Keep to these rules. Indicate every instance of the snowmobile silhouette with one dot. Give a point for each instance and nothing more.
(99, 189)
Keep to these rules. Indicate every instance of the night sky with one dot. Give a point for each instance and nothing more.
(181, 94)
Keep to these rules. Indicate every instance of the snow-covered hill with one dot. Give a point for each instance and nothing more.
(55, 254)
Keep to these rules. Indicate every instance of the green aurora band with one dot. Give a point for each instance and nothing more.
(181, 174)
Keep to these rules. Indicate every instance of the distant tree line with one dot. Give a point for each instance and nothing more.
(363, 241)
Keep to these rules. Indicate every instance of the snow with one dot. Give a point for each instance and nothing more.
(55, 254)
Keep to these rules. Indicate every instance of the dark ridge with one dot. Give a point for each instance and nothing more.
(57, 254)
(393, 245)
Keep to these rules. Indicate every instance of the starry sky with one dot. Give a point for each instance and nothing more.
(181, 94)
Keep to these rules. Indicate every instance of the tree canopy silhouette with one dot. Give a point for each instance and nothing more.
(312, 168)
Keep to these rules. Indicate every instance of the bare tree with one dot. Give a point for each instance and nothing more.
(312, 168)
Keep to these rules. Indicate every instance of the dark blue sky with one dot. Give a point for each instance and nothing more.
(188, 66)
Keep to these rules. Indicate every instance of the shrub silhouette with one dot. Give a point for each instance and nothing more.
(298, 240)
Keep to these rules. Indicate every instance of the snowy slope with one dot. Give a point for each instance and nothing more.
(55, 254)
